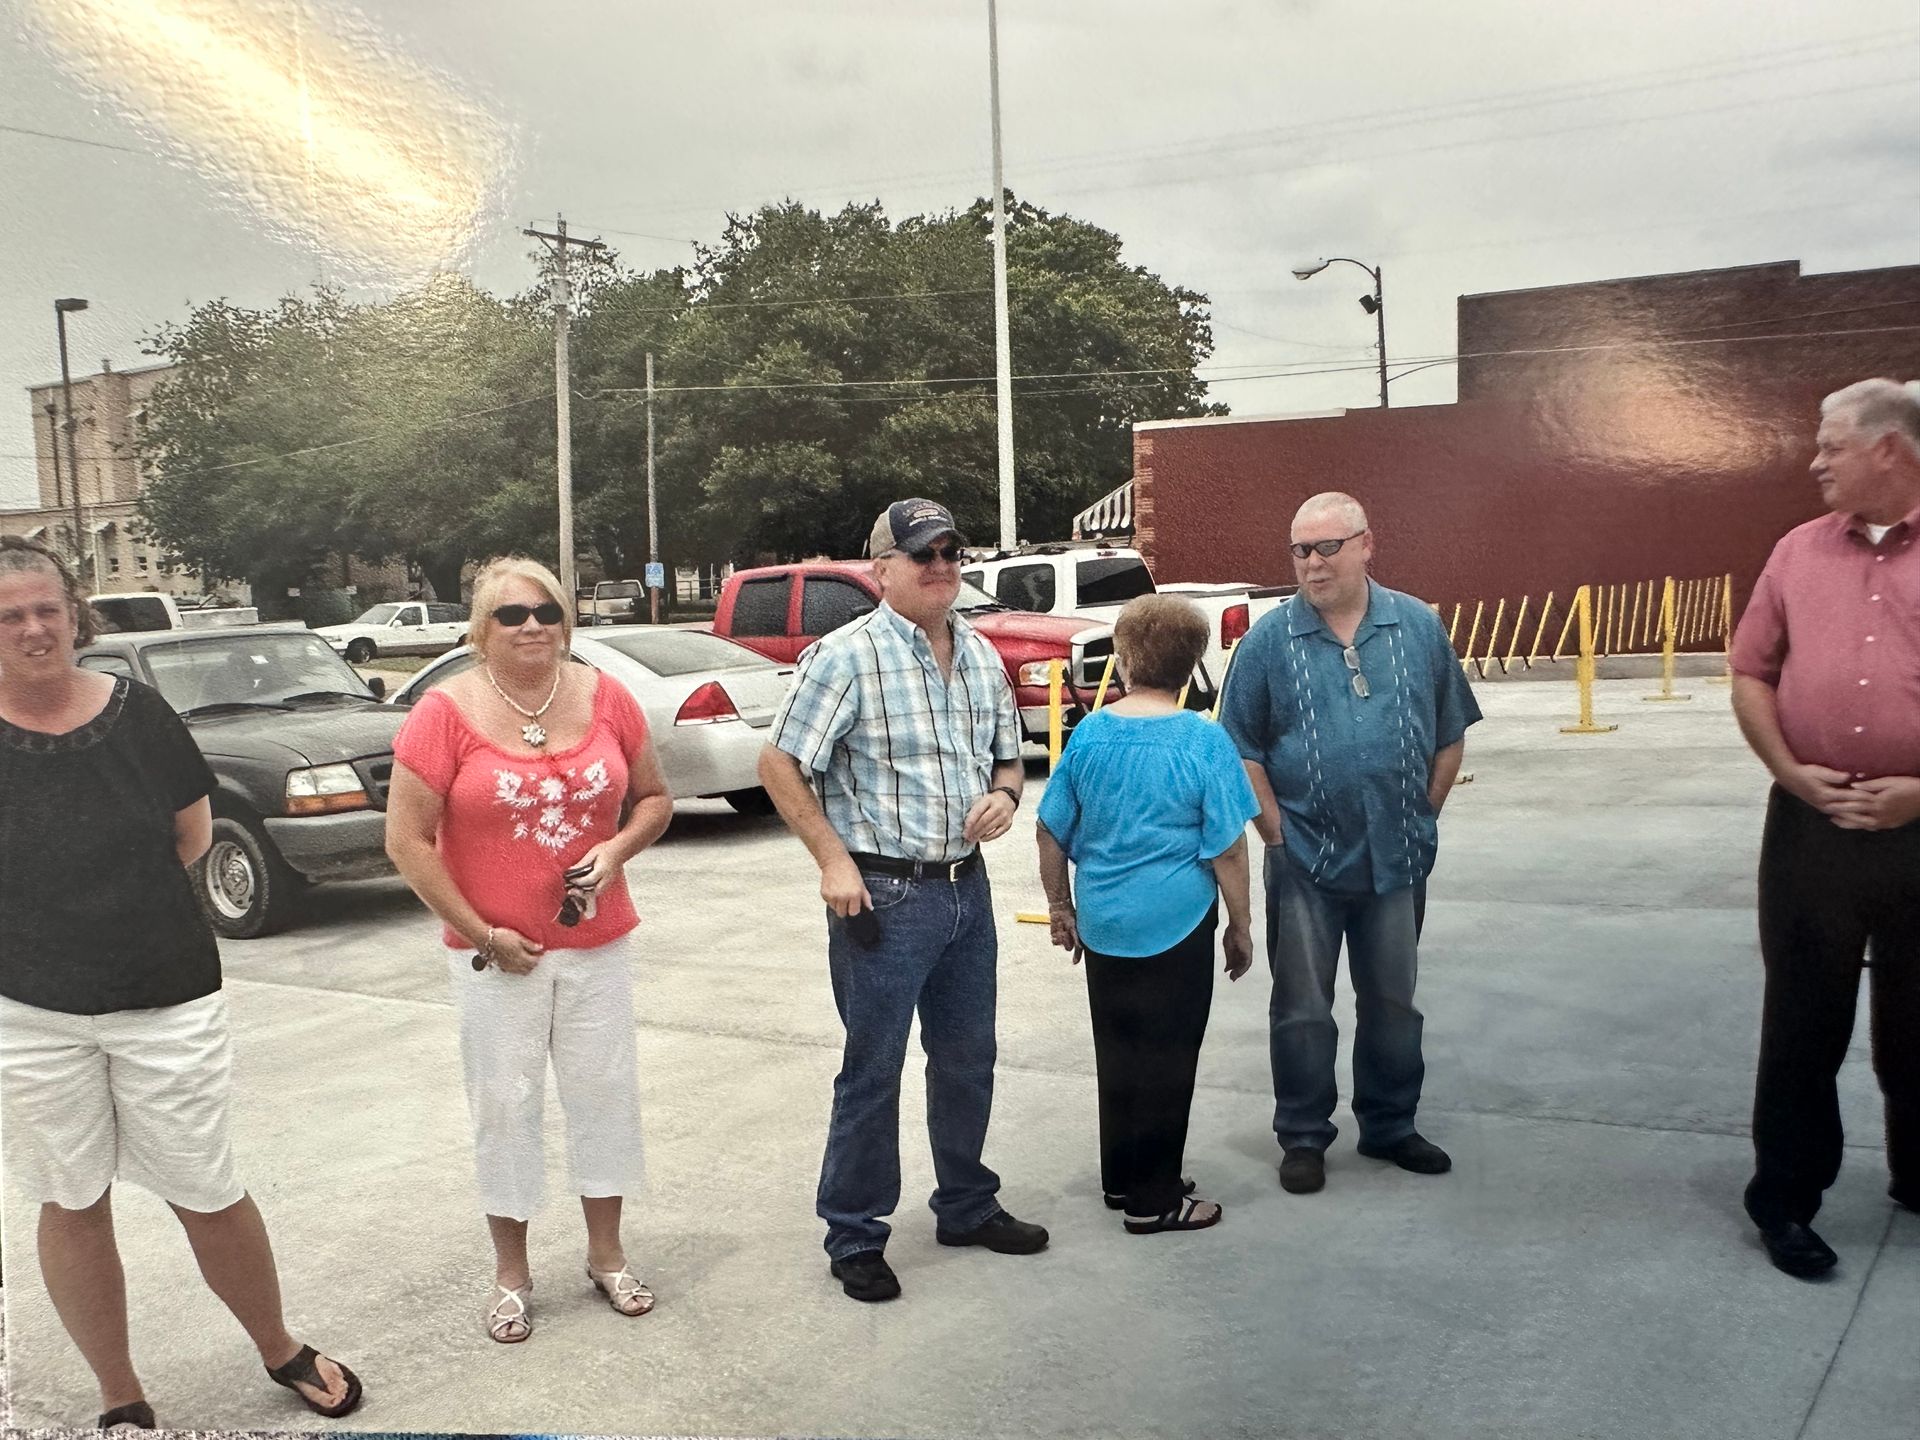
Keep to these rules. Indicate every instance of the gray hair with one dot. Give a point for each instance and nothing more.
(1878, 407)
(1332, 502)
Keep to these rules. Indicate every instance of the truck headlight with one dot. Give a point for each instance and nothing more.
(325, 790)
(1038, 672)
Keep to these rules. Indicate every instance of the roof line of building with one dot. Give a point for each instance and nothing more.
(54, 384)
(1197, 420)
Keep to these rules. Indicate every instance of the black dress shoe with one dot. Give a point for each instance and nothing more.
(865, 1275)
(138, 1416)
(1796, 1250)
(1411, 1152)
(1303, 1170)
(1908, 1199)
(1000, 1233)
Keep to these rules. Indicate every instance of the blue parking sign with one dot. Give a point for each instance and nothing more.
(656, 575)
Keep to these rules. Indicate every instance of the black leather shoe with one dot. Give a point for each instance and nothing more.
(1000, 1233)
(1303, 1170)
(138, 1416)
(1905, 1198)
(1797, 1250)
(865, 1275)
(1411, 1152)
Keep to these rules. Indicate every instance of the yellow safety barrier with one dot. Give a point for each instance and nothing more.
(1726, 629)
(1056, 670)
(1583, 672)
(1669, 627)
(1106, 678)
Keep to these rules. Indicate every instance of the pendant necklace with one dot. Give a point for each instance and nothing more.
(533, 732)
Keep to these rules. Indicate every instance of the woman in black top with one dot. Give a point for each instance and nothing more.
(113, 1041)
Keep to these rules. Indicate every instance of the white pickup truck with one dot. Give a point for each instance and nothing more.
(142, 610)
(1088, 577)
(411, 627)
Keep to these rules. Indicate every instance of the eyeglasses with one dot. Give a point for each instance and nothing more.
(1352, 657)
(514, 616)
(1328, 548)
(949, 553)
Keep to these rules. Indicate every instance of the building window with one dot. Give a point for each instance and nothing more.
(113, 564)
(139, 562)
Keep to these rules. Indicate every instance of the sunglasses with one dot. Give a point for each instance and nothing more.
(950, 553)
(514, 616)
(1328, 548)
(1352, 657)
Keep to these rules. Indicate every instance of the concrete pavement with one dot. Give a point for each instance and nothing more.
(1592, 993)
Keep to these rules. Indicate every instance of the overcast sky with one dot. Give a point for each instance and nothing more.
(1473, 146)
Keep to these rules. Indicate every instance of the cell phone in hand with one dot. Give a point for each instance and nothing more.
(864, 927)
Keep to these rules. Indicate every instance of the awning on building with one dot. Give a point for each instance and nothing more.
(1111, 514)
(35, 533)
(100, 527)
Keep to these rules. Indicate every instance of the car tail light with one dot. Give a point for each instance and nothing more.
(706, 705)
(1233, 624)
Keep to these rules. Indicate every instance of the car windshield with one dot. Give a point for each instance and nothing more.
(680, 652)
(234, 667)
(972, 597)
(378, 615)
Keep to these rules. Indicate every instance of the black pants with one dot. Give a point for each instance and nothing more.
(1149, 1016)
(1827, 897)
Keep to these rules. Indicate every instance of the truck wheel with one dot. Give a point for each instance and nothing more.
(750, 802)
(244, 885)
(359, 651)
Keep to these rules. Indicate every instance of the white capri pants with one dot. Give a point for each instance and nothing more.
(577, 1008)
(136, 1095)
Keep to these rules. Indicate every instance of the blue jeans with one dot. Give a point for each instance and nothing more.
(937, 953)
(1305, 926)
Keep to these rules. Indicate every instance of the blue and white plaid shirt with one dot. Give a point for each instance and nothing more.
(898, 752)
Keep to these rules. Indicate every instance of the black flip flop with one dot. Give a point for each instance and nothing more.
(301, 1370)
(138, 1414)
(1178, 1219)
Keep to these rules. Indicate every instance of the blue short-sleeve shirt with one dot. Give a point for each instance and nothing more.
(1351, 773)
(1141, 804)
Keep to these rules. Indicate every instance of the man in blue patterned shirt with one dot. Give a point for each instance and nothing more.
(1351, 711)
(894, 757)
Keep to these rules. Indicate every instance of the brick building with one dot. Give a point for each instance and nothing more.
(1605, 432)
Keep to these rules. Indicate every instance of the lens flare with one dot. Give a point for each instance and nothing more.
(309, 117)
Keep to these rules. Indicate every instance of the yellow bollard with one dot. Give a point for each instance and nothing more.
(1106, 679)
(1583, 608)
(1055, 670)
(1669, 626)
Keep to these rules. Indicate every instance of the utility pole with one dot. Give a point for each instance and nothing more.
(1002, 340)
(558, 242)
(653, 515)
(61, 309)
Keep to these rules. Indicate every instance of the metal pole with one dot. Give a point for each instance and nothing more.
(53, 444)
(653, 517)
(563, 421)
(1002, 340)
(73, 459)
(1380, 325)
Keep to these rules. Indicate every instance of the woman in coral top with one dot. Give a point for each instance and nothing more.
(508, 816)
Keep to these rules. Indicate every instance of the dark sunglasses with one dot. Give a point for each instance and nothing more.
(1328, 548)
(949, 553)
(514, 616)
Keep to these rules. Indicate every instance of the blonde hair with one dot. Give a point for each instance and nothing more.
(19, 555)
(492, 578)
(1159, 639)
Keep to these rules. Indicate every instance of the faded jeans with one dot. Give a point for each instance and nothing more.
(1305, 927)
(937, 953)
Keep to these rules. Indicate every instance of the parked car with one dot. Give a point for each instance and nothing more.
(143, 610)
(301, 751)
(1096, 579)
(708, 703)
(611, 602)
(766, 609)
(412, 627)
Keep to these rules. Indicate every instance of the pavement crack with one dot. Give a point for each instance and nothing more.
(1859, 1300)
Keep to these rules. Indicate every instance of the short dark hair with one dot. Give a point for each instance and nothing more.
(1159, 639)
(19, 555)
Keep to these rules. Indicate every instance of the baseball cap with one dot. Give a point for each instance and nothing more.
(911, 525)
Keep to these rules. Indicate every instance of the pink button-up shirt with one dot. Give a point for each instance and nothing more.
(1834, 626)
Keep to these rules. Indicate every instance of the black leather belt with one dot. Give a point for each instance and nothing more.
(948, 870)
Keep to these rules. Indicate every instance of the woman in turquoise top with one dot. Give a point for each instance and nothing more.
(1150, 803)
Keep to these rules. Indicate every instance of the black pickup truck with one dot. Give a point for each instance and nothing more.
(301, 748)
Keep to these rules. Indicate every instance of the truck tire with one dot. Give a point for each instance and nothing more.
(750, 802)
(359, 651)
(244, 886)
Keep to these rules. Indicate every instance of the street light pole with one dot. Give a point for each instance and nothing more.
(1375, 304)
(60, 311)
(1002, 336)
(53, 445)
(653, 510)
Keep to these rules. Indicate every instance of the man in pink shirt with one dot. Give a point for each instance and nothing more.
(1826, 687)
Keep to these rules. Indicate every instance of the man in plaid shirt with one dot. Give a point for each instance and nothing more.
(896, 754)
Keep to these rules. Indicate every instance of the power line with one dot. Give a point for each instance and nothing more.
(76, 140)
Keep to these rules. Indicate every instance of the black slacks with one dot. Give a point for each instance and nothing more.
(1829, 898)
(1149, 1017)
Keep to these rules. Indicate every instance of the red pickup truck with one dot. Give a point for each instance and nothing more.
(779, 610)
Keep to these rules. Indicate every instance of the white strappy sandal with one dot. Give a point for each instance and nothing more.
(510, 1318)
(624, 1293)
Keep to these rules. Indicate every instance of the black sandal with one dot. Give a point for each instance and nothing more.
(1119, 1202)
(301, 1370)
(138, 1414)
(1178, 1219)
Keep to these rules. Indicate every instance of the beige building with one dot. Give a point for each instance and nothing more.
(109, 411)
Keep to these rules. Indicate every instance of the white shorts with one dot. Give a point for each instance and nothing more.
(136, 1095)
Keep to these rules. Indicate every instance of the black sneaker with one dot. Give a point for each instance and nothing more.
(1411, 1152)
(1000, 1233)
(1303, 1170)
(865, 1275)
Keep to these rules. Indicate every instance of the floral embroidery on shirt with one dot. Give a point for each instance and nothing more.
(552, 829)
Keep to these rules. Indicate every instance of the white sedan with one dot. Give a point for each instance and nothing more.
(413, 627)
(708, 703)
